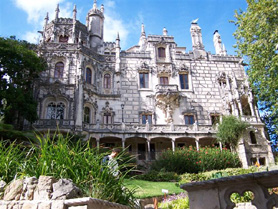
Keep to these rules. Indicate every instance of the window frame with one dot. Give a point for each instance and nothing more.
(89, 75)
(107, 81)
(87, 116)
(59, 70)
(54, 109)
(162, 80)
(184, 81)
(161, 51)
(146, 117)
(144, 80)
(188, 119)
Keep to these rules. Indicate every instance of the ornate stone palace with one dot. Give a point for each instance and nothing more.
(151, 97)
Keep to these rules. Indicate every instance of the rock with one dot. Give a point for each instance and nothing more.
(44, 188)
(65, 189)
(13, 190)
(2, 185)
(29, 186)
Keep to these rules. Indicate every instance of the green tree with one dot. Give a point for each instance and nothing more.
(257, 40)
(230, 130)
(19, 66)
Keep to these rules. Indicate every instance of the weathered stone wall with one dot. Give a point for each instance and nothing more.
(49, 193)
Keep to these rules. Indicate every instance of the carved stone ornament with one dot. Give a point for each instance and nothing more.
(143, 67)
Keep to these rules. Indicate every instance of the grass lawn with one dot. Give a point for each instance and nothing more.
(146, 189)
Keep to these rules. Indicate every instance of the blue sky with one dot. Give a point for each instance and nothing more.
(23, 18)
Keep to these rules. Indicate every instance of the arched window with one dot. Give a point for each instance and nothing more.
(59, 68)
(107, 81)
(55, 111)
(88, 76)
(161, 52)
(253, 137)
(87, 114)
(63, 39)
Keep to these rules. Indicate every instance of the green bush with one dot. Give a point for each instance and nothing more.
(195, 177)
(60, 157)
(175, 202)
(189, 160)
(160, 176)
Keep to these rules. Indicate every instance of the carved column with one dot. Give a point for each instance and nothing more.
(239, 106)
(149, 148)
(197, 143)
(173, 144)
(97, 140)
(123, 141)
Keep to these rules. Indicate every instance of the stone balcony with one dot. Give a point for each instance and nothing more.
(167, 94)
(215, 194)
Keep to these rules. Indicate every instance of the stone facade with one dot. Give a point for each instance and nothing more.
(151, 97)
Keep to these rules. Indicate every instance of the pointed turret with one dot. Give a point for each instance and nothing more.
(57, 13)
(196, 36)
(74, 13)
(143, 39)
(165, 32)
(95, 21)
(46, 20)
(219, 49)
(118, 50)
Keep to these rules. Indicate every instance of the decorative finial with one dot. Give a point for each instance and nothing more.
(95, 5)
(57, 12)
(165, 32)
(194, 21)
(143, 30)
(102, 8)
(74, 12)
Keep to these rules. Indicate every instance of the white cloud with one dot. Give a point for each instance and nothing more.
(36, 11)
(113, 24)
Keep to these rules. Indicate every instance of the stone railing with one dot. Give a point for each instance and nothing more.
(48, 123)
(166, 88)
(138, 128)
(216, 193)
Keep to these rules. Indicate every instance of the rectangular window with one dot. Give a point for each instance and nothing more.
(189, 119)
(214, 119)
(144, 80)
(145, 118)
(107, 118)
(184, 81)
(161, 52)
(164, 81)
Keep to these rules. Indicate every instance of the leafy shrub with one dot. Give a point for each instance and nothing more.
(189, 160)
(60, 157)
(159, 176)
(175, 202)
(195, 177)
(230, 130)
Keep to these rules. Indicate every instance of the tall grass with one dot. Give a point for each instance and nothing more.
(59, 156)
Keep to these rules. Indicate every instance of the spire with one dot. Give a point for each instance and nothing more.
(57, 13)
(165, 32)
(95, 5)
(118, 40)
(46, 19)
(102, 8)
(143, 30)
(74, 13)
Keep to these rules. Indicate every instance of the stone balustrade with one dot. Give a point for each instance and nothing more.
(216, 193)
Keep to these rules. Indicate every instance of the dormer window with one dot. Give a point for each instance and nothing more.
(161, 52)
(63, 39)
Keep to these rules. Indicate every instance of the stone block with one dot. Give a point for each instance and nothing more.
(58, 204)
(44, 188)
(13, 190)
(44, 205)
(30, 205)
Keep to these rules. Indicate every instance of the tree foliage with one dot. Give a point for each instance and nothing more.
(19, 66)
(230, 130)
(257, 40)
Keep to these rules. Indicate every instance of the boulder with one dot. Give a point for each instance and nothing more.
(2, 185)
(13, 190)
(29, 186)
(44, 188)
(65, 189)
